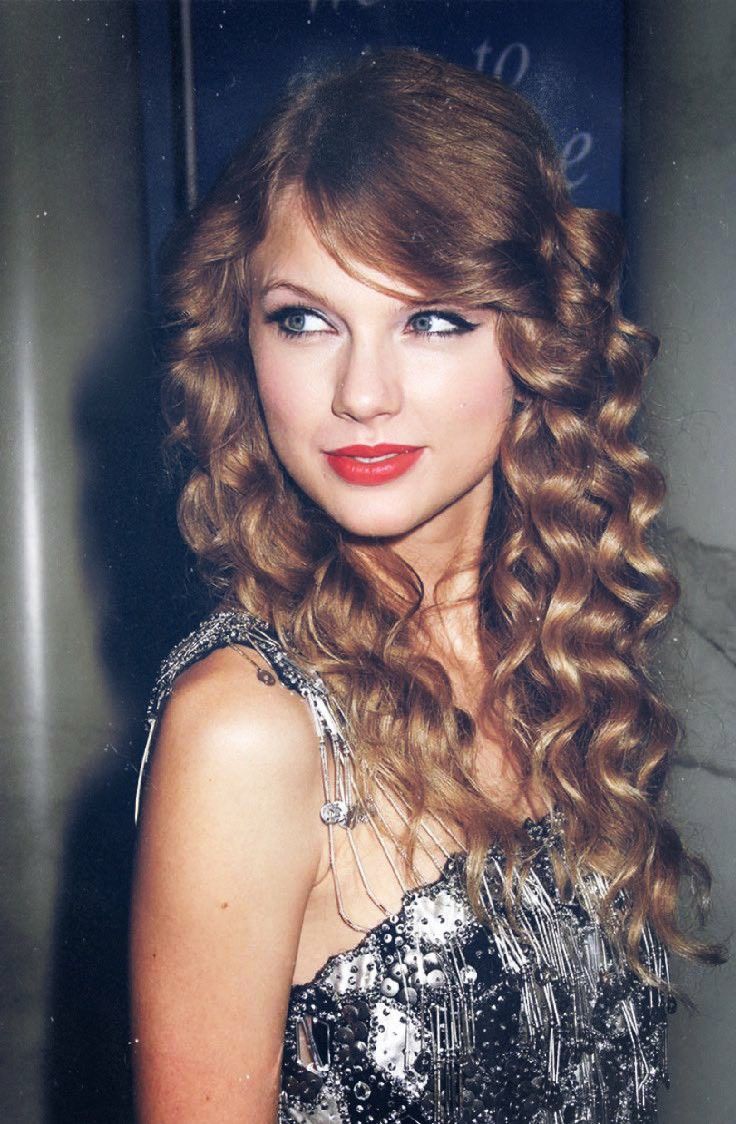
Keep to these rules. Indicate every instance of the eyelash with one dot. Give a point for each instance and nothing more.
(280, 314)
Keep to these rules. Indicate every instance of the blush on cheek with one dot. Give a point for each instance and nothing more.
(491, 406)
(274, 399)
(276, 395)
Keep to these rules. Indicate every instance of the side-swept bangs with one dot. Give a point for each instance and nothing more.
(421, 178)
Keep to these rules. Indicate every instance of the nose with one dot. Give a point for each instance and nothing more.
(367, 385)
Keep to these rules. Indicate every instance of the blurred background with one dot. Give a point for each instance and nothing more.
(114, 117)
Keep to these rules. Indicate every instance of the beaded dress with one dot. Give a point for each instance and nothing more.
(437, 1018)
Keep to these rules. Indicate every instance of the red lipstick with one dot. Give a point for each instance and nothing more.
(373, 464)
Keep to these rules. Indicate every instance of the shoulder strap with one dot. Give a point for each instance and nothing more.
(343, 807)
(239, 627)
(218, 631)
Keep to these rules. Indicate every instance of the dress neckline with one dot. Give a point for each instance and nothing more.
(537, 830)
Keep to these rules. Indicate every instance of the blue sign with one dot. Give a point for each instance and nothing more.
(565, 56)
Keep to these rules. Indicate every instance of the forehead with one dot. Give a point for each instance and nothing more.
(291, 250)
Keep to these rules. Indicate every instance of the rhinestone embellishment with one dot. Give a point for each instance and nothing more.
(334, 812)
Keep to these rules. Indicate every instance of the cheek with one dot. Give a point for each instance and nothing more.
(289, 396)
(485, 403)
(278, 404)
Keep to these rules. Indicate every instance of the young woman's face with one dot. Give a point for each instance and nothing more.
(387, 412)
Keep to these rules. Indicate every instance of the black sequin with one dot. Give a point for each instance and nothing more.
(506, 1076)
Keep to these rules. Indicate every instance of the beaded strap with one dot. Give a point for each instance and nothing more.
(342, 807)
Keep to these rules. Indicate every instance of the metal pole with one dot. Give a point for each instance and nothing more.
(190, 125)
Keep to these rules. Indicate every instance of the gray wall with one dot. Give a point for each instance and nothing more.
(681, 197)
(70, 303)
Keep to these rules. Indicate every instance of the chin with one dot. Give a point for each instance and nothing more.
(378, 528)
(374, 525)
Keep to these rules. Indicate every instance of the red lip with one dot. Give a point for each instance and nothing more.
(371, 450)
(398, 460)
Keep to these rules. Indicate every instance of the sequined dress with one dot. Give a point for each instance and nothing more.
(437, 1018)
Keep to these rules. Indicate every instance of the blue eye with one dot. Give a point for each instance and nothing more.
(422, 322)
(293, 321)
(296, 322)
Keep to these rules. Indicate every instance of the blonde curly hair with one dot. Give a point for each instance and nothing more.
(448, 181)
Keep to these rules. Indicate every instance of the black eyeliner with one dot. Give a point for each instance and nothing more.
(452, 317)
(279, 315)
(459, 322)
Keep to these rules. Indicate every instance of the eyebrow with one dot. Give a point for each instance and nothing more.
(279, 283)
(320, 298)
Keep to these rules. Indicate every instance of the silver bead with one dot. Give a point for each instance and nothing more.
(334, 812)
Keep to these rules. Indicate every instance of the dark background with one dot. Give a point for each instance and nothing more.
(567, 58)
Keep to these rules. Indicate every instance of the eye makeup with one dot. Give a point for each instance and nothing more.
(281, 316)
(460, 324)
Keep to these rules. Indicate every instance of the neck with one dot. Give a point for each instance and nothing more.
(449, 569)
(445, 553)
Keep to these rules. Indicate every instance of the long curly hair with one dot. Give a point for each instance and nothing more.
(448, 181)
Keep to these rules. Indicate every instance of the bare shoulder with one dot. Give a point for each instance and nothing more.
(229, 848)
(235, 781)
(236, 764)
(225, 712)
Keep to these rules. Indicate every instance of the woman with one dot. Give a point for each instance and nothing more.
(401, 855)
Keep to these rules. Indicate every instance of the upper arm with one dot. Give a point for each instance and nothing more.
(228, 850)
